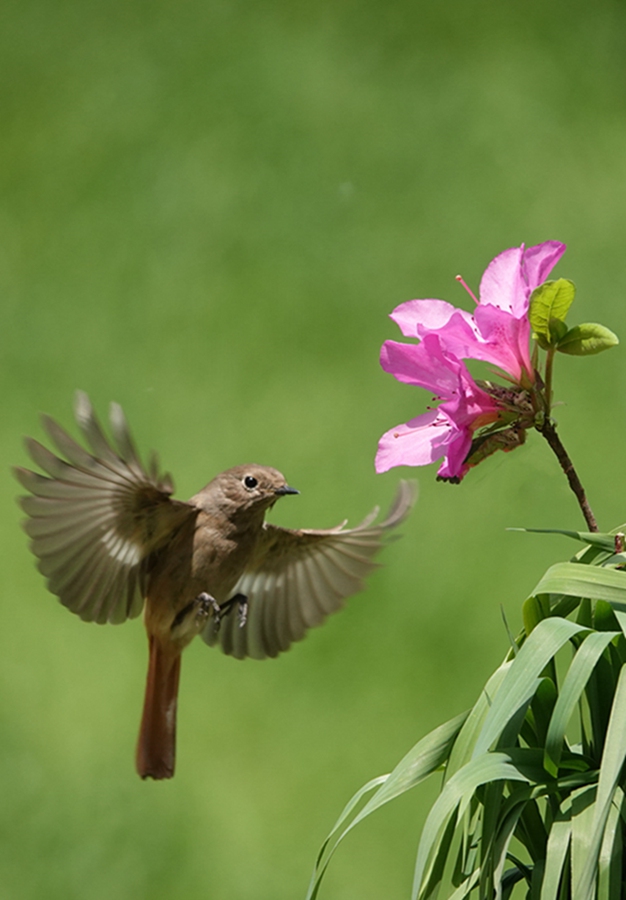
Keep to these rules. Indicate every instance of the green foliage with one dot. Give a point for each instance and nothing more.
(533, 789)
(586, 340)
(549, 305)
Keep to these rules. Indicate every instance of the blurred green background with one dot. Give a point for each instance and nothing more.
(207, 210)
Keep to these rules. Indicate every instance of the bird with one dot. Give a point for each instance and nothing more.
(112, 542)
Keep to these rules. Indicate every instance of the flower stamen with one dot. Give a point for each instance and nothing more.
(462, 281)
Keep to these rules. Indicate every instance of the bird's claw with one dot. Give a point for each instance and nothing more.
(242, 610)
(207, 605)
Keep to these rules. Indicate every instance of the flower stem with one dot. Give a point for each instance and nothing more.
(548, 379)
(548, 430)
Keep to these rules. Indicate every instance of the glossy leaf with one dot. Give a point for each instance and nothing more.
(586, 340)
(522, 677)
(593, 582)
(557, 852)
(573, 686)
(549, 304)
(583, 809)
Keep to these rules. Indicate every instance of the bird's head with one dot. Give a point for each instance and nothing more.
(244, 490)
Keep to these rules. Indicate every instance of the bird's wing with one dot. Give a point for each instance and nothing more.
(297, 578)
(96, 519)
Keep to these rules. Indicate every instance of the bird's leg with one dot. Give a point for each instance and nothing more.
(206, 605)
(242, 608)
(242, 611)
(202, 606)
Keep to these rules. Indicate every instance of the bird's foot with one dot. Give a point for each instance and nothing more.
(242, 608)
(193, 617)
(206, 605)
(242, 611)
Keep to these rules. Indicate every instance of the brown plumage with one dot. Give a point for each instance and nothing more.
(109, 536)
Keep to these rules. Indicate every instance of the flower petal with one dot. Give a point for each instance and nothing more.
(425, 315)
(540, 260)
(512, 276)
(459, 336)
(453, 465)
(422, 364)
(503, 284)
(416, 443)
(505, 340)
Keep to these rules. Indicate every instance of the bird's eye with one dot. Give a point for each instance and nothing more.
(250, 482)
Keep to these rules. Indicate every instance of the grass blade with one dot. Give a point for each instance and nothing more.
(514, 765)
(556, 853)
(610, 768)
(603, 541)
(465, 742)
(422, 760)
(522, 677)
(593, 582)
(319, 870)
(611, 852)
(574, 684)
(583, 810)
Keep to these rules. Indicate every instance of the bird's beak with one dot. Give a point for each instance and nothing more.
(285, 490)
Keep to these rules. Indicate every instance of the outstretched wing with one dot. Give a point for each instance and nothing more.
(297, 578)
(97, 518)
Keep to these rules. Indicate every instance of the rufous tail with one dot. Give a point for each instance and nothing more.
(156, 747)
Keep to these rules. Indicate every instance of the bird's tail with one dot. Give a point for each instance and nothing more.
(156, 747)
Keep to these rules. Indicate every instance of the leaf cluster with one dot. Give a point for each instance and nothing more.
(533, 789)
(549, 305)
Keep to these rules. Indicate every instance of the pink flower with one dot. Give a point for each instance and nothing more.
(446, 431)
(499, 331)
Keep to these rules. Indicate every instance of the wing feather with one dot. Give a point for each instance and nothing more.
(269, 613)
(95, 517)
(283, 629)
(310, 611)
(298, 578)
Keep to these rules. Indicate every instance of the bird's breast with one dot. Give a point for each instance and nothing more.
(219, 558)
(210, 561)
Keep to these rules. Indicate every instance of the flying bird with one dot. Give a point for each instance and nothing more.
(111, 542)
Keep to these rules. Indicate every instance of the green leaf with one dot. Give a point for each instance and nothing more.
(549, 305)
(464, 744)
(422, 760)
(439, 860)
(556, 852)
(466, 887)
(574, 684)
(426, 757)
(583, 810)
(604, 541)
(604, 617)
(610, 862)
(611, 765)
(522, 678)
(587, 339)
(558, 330)
(514, 765)
(508, 824)
(620, 615)
(593, 582)
(535, 609)
(319, 870)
